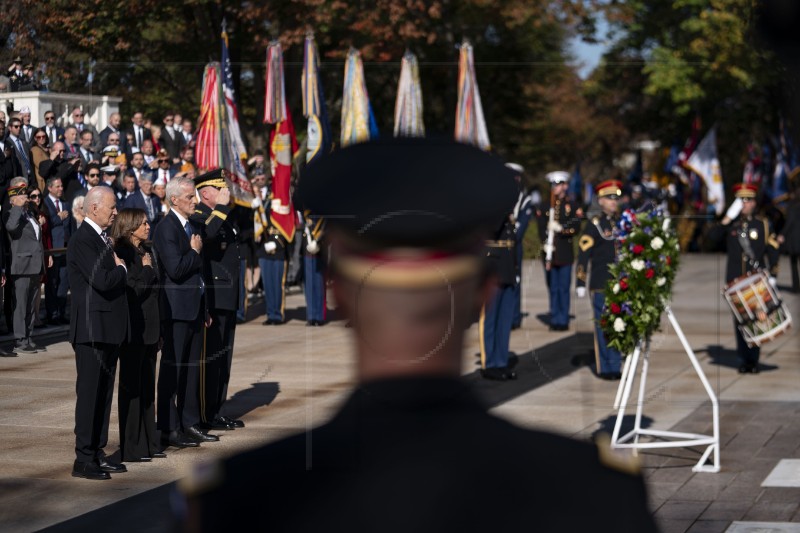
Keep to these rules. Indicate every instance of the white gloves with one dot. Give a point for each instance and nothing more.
(554, 226)
(734, 210)
(270, 247)
(580, 292)
(773, 281)
(256, 203)
(312, 247)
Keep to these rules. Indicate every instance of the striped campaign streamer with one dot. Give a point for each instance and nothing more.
(208, 152)
(318, 130)
(470, 124)
(357, 122)
(408, 120)
(275, 92)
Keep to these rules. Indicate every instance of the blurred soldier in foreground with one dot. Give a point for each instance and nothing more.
(597, 245)
(412, 446)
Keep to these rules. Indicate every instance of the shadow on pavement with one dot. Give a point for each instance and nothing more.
(258, 395)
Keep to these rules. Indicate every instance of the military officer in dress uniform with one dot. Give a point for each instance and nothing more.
(498, 313)
(557, 231)
(597, 247)
(523, 212)
(221, 274)
(314, 269)
(272, 253)
(751, 245)
(412, 445)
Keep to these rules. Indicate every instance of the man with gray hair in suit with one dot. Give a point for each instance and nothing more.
(27, 263)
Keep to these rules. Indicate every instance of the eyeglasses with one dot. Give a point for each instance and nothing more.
(34, 196)
(94, 174)
(114, 141)
(14, 126)
(163, 160)
(77, 114)
(40, 136)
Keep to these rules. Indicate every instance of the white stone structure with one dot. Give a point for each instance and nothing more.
(96, 108)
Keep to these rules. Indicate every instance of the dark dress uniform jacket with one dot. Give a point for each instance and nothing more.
(220, 257)
(418, 455)
(567, 216)
(142, 293)
(99, 305)
(597, 244)
(500, 252)
(179, 270)
(758, 233)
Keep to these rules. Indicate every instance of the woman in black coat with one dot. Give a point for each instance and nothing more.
(139, 439)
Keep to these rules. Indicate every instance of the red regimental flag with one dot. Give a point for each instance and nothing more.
(282, 149)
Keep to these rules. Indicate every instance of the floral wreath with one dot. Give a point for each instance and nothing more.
(640, 284)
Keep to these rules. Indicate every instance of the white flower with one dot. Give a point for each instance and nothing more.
(661, 281)
(657, 243)
(615, 290)
(619, 325)
(637, 264)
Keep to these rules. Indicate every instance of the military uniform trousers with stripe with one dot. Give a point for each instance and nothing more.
(314, 285)
(273, 277)
(495, 327)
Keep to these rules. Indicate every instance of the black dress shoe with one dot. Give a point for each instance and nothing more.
(33, 346)
(177, 440)
(110, 466)
(139, 460)
(610, 376)
(196, 434)
(745, 368)
(6, 353)
(216, 424)
(89, 471)
(497, 374)
(233, 421)
(24, 348)
(158, 455)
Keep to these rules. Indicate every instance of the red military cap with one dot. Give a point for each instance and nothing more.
(609, 189)
(745, 190)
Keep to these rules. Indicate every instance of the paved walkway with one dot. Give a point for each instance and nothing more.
(292, 377)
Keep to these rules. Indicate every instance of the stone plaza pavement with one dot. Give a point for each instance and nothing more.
(292, 377)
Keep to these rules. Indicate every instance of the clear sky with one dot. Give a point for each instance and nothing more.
(587, 56)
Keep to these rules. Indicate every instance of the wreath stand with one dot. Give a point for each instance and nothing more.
(669, 439)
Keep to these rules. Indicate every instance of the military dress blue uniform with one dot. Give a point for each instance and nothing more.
(314, 270)
(498, 313)
(523, 215)
(597, 250)
(559, 276)
(273, 263)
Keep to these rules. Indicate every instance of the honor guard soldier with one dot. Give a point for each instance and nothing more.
(751, 245)
(559, 221)
(221, 273)
(523, 212)
(498, 313)
(412, 444)
(597, 247)
(314, 269)
(272, 253)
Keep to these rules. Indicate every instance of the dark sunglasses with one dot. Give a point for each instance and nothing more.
(77, 114)
(40, 136)
(37, 195)
(94, 174)
(49, 118)
(14, 126)
(163, 160)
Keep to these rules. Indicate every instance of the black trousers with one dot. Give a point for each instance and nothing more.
(217, 358)
(136, 398)
(55, 288)
(179, 374)
(97, 365)
(793, 260)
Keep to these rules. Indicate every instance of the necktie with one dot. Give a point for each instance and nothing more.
(81, 179)
(105, 238)
(80, 127)
(188, 229)
(24, 156)
(51, 132)
(148, 201)
(58, 206)
(138, 137)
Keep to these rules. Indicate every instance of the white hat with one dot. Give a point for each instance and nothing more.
(160, 182)
(25, 109)
(559, 176)
(109, 168)
(135, 150)
(516, 167)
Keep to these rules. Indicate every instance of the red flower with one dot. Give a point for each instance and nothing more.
(615, 308)
(623, 284)
(669, 260)
(637, 249)
(603, 322)
(649, 273)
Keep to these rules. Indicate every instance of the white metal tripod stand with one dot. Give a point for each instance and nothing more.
(666, 439)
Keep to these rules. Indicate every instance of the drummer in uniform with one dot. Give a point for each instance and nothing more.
(412, 445)
(565, 224)
(751, 244)
(597, 248)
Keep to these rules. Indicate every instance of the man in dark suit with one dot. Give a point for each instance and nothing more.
(54, 133)
(27, 129)
(140, 133)
(413, 445)
(9, 165)
(114, 121)
(177, 245)
(145, 200)
(80, 125)
(221, 270)
(98, 326)
(21, 149)
(27, 264)
(171, 140)
(85, 149)
(55, 290)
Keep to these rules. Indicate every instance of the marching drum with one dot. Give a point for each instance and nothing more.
(757, 307)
